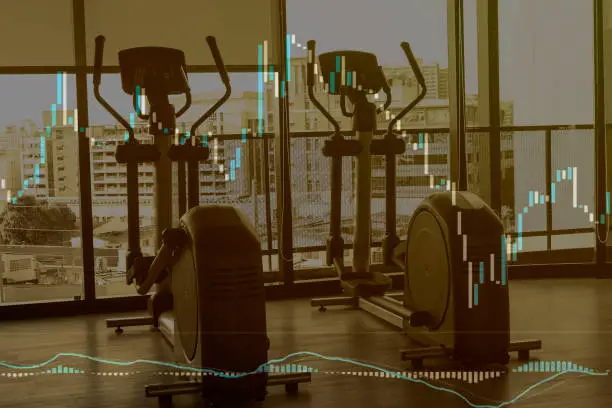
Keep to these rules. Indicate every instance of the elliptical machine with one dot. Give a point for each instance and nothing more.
(448, 306)
(210, 303)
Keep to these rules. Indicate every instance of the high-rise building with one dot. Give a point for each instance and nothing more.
(403, 82)
(61, 164)
(443, 83)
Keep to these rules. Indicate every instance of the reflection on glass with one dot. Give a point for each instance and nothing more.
(239, 172)
(40, 254)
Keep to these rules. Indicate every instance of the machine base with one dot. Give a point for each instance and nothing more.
(119, 323)
(164, 392)
(417, 355)
(390, 309)
(387, 308)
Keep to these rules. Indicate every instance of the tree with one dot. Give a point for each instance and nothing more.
(30, 221)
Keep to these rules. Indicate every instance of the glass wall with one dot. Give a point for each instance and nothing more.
(546, 81)
(378, 28)
(40, 249)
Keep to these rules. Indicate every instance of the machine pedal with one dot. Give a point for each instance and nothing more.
(119, 323)
(417, 355)
(365, 285)
(524, 347)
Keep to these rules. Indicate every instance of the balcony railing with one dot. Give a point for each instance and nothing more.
(543, 239)
(537, 154)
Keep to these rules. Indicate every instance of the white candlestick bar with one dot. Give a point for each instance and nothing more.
(64, 98)
(536, 198)
(459, 223)
(492, 261)
(76, 121)
(470, 295)
(431, 181)
(575, 186)
(464, 247)
(586, 209)
(454, 194)
(564, 174)
(426, 155)
(276, 85)
(143, 102)
(215, 147)
(342, 71)
(265, 61)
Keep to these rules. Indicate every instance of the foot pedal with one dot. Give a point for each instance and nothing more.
(417, 355)
(524, 347)
(365, 285)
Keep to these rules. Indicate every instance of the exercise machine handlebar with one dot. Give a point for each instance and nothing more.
(338, 146)
(345, 112)
(134, 250)
(386, 90)
(212, 44)
(414, 65)
(310, 78)
(97, 79)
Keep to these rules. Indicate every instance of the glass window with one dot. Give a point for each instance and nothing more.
(40, 250)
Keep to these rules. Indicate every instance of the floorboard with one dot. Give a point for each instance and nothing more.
(573, 318)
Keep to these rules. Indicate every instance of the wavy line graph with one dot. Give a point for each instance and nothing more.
(392, 374)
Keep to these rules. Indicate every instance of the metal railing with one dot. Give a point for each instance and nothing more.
(548, 131)
(311, 231)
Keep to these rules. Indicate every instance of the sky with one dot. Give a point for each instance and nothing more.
(546, 54)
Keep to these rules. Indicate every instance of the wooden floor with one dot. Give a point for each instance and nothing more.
(573, 318)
